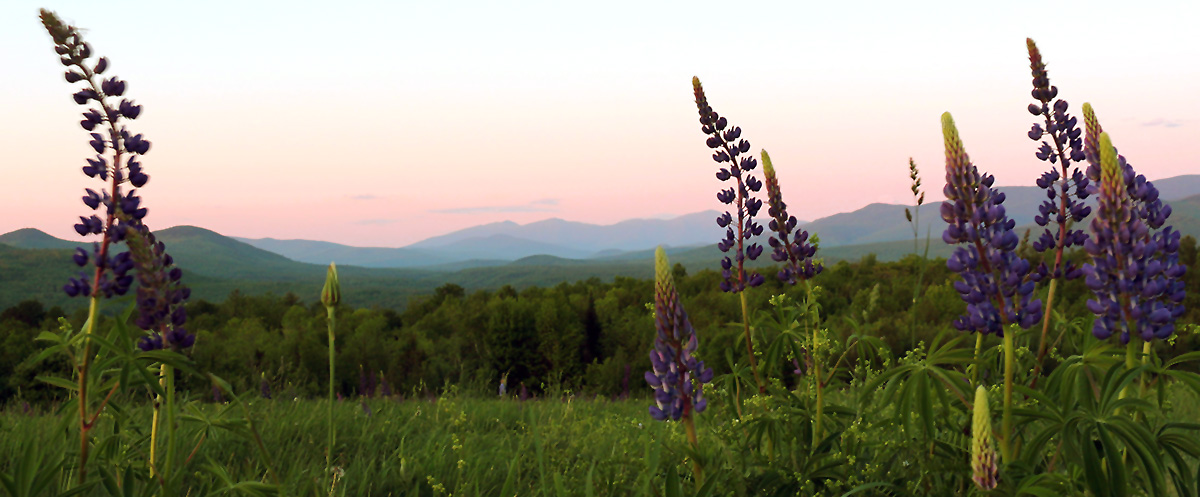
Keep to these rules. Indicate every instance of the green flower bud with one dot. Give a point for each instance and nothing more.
(331, 294)
(984, 468)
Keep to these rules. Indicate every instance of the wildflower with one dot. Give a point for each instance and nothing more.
(160, 295)
(1069, 187)
(984, 469)
(994, 279)
(1135, 274)
(264, 387)
(915, 176)
(677, 378)
(385, 390)
(122, 211)
(796, 254)
(729, 144)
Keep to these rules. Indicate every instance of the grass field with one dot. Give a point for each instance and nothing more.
(446, 446)
(441, 446)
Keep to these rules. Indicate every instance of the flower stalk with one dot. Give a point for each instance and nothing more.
(995, 283)
(1066, 184)
(729, 145)
(677, 375)
(331, 296)
(109, 277)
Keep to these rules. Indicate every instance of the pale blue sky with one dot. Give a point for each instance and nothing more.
(386, 123)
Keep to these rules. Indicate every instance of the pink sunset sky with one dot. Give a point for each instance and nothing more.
(384, 123)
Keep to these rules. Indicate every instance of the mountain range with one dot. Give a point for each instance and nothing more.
(496, 243)
(34, 264)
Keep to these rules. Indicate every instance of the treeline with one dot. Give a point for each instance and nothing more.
(590, 336)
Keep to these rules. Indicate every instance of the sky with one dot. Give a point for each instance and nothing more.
(385, 123)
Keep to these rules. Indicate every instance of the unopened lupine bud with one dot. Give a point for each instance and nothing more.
(984, 469)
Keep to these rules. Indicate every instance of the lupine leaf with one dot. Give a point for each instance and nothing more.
(1093, 474)
(59, 382)
(1117, 485)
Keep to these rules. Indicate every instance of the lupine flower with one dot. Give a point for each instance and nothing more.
(1135, 274)
(160, 295)
(984, 468)
(104, 122)
(994, 279)
(1065, 184)
(729, 145)
(795, 253)
(366, 382)
(385, 390)
(677, 378)
(264, 387)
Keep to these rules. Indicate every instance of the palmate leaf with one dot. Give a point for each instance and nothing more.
(910, 388)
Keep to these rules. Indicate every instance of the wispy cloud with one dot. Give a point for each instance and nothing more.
(1163, 122)
(364, 197)
(542, 205)
(375, 222)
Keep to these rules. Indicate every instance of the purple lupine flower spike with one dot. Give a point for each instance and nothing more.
(729, 145)
(677, 377)
(995, 283)
(160, 296)
(796, 253)
(1065, 185)
(1135, 274)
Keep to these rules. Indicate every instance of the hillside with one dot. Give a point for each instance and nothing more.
(36, 265)
(32, 238)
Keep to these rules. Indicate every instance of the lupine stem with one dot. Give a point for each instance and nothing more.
(1037, 365)
(1131, 361)
(690, 427)
(978, 351)
(168, 374)
(154, 422)
(813, 320)
(84, 425)
(1006, 424)
(762, 389)
(329, 452)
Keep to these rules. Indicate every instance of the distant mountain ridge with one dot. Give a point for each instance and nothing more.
(495, 243)
(509, 241)
(556, 242)
(633, 234)
(215, 265)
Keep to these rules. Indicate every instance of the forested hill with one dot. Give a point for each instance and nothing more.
(589, 334)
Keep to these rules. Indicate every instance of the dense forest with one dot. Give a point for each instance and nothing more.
(589, 336)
